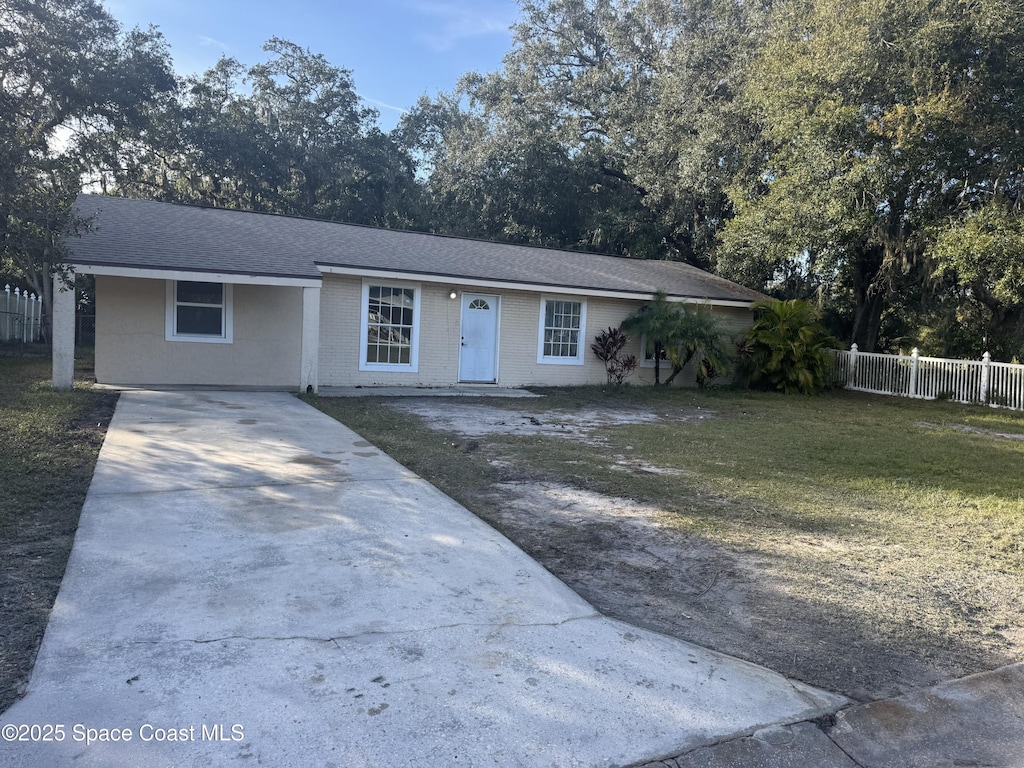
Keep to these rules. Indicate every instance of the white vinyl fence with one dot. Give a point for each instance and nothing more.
(21, 316)
(930, 378)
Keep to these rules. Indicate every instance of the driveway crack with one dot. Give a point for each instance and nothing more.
(368, 633)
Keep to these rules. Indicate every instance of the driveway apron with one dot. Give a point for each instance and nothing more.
(253, 582)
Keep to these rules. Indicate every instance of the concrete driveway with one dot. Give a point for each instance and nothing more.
(253, 582)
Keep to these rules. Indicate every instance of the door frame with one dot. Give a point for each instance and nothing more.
(464, 300)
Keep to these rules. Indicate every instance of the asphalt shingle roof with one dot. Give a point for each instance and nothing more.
(164, 236)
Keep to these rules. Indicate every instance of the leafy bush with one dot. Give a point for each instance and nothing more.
(700, 337)
(608, 345)
(787, 348)
(656, 322)
(679, 335)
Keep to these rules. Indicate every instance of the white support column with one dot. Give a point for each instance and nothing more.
(309, 366)
(63, 334)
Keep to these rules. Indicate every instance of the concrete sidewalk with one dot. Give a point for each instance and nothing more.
(974, 721)
(251, 581)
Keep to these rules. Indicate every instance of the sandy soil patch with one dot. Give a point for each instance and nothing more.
(480, 419)
(628, 561)
(794, 603)
(974, 430)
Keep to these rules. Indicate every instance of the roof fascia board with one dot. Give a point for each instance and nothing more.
(209, 277)
(514, 286)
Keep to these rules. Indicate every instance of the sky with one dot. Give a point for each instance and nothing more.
(397, 50)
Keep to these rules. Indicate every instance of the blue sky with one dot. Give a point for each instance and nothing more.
(397, 50)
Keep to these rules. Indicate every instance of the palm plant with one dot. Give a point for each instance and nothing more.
(786, 349)
(701, 338)
(657, 323)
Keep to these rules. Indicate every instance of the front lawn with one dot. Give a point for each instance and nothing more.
(868, 545)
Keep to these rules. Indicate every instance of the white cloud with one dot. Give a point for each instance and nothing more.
(457, 21)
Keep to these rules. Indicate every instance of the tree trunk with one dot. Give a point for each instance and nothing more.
(869, 298)
(676, 369)
(868, 320)
(46, 321)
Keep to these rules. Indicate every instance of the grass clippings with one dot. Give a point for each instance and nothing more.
(49, 442)
(863, 544)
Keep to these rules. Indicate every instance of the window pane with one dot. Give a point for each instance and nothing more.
(200, 293)
(204, 321)
(390, 325)
(561, 328)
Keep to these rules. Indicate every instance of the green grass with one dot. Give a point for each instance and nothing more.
(49, 442)
(845, 465)
(887, 468)
(46, 453)
(887, 533)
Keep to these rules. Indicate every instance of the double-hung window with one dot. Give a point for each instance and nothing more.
(389, 333)
(562, 335)
(198, 311)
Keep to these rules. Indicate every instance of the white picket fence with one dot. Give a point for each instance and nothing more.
(21, 316)
(930, 378)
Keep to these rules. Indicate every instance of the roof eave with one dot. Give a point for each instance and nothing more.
(576, 290)
(210, 276)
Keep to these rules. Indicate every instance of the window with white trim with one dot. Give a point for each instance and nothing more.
(648, 359)
(563, 323)
(389, 336)
(199, 311)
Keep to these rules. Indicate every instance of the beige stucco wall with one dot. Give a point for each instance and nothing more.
(439, 338)
(131, 346)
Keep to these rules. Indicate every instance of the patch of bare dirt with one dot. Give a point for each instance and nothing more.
(631, 563)
(973, 430)
(480, 419)
(765, 601)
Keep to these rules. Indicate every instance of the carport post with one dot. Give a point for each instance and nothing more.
(309, 365)
(63, 329)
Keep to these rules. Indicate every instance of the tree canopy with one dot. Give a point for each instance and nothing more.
(68, 74)
(864, 155)
(886, 126)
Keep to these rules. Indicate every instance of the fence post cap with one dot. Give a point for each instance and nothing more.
(854, 347)
(8, 288)
(914, 352)
(987, 357)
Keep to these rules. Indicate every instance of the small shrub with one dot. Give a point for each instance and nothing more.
(787, 348)
(608, 346)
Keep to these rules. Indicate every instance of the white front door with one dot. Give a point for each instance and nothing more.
(478, 356)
